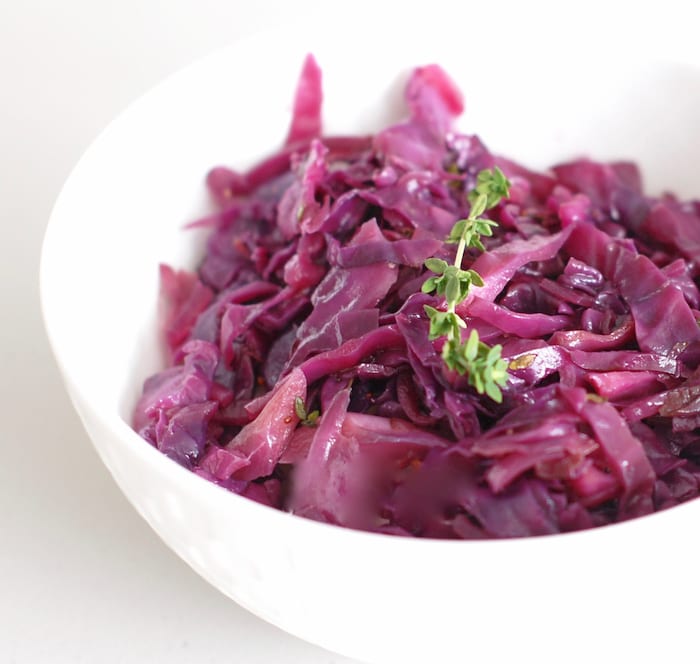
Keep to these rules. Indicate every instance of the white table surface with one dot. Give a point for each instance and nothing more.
(82, 577)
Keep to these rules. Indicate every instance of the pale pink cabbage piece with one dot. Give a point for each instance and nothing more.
(262, 442)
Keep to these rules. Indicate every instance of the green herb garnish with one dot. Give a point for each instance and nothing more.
(307, 419)
(486, 369)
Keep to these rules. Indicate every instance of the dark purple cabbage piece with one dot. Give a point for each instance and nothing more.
(308, 298)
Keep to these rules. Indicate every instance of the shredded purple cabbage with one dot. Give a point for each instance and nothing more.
(310, 294)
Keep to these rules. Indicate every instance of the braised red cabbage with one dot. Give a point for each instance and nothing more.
(302, 375)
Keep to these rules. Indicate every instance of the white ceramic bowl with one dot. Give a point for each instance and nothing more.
(626, 591)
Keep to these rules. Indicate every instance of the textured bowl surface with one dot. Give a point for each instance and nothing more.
(627, 591)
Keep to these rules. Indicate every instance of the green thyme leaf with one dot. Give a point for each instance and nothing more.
(472, 346)
(430, 284)
(477, 381)
(485, 227)
(453, 290)
(476, 278)
(300, 408)
(307, 419)
(443, 323)
(436, 265)
(494, 353)
(492, 184)
(457, 231)
(310, 420)
(478, 205)
(494, 392)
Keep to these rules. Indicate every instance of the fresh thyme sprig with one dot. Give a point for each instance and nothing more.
(484, 366)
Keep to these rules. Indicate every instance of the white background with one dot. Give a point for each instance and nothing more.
(82, 577)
